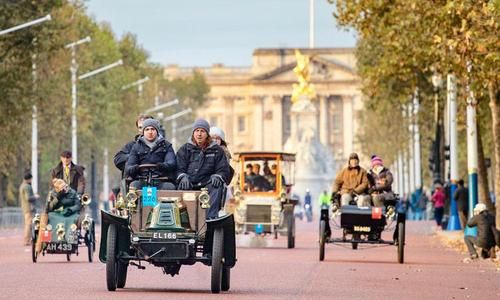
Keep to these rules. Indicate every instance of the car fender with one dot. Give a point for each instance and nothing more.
(123, 233)
(227, 223)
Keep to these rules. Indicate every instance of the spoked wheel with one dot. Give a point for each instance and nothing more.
(322, 237)
(355, 236)
(90, 245)
(226, 279)
(121, 279)
(111, 262)
(34, 255)
(291, 231)
(401, 242)
(217, 255)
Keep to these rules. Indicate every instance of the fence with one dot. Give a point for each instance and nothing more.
(11, 217)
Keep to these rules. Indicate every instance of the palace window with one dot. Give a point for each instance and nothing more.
(242, 124)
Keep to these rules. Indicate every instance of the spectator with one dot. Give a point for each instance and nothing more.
(438, 199)
(28, 201)
(461, 196)
(487, 234)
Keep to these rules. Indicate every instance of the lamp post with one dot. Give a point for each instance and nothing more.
(174, 123)
(454, 222)
(137, 83)
(437, 83)
(27, 24)
(74, 70)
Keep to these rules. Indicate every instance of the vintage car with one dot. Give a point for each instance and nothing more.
(53, 233)
(363, 225)
(168, 229)
(262, 194)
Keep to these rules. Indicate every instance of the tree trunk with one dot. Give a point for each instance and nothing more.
(494, 94)
(482, 174)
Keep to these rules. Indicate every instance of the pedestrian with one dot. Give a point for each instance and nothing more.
(487, 234)
(422, 205)
(461, 197)
(324, 199)
(28, 202)
(152, 148)
(70, 172)
(201, 163)
(438, 199)
(352, 180)
(379, 182)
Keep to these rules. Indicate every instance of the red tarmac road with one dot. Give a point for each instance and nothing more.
(431, 271)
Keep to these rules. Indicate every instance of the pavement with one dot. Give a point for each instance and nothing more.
(267, 270)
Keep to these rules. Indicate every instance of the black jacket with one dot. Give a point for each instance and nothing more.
(121, 156)
(200, 164)
(461, 196)
(76, 176)
(162, 152)
(486, 231)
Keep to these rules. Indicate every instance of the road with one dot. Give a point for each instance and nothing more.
(265, 270)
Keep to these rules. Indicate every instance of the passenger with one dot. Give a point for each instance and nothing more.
(274, 171)
(219, 137)
(260, 182)
(71, 173)
(487, 234)
(202, 163)
(256, 168)
(380, 182)
(352, 180)
(249, 177)
(152, 148)
(121, 156)
(63, 206)
(269, 176)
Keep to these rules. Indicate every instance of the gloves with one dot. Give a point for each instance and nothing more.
(67, 212)
(162, 167)
(132, 170)
(216, 181)
(184, 183)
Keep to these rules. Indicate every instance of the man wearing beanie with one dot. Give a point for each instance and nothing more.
(352, 180)
(152, 148)
(380, 182)
(202, 163)
(28, 200)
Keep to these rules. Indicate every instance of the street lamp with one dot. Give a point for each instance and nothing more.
(31, 23)
(74, 70)
(437, 82)
(74, 144)
(137, 83)
(174, 123)
(161, 106)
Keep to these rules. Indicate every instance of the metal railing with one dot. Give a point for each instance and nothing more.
(11, 217)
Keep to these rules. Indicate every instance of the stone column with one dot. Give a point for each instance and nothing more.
(348, 124)
(323, 119)
(258, 123)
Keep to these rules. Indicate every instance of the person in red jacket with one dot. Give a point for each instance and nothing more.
(438, 200)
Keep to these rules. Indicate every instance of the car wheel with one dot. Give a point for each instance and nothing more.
(401, 242)
(322, 229)
(90, 246)
(291, 231)
(111, 268)
(121, 279)
(217, 255)
(34, 255)
(226, 279)
(355, 236)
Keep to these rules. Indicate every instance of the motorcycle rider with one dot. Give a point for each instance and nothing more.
(350, 181)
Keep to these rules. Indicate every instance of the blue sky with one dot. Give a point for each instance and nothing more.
(201, 32)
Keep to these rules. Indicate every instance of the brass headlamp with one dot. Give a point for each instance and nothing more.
(204, 198)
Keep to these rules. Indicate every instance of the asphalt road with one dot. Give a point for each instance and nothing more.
(265, 270)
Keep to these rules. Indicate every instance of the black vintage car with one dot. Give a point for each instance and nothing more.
(363, 225)
(166, 228)
(53, 233)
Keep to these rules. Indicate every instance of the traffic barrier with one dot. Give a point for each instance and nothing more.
(11, 217)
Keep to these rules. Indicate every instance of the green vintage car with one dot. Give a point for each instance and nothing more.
(167, 229)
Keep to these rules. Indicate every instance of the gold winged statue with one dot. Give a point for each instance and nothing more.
(303, 87)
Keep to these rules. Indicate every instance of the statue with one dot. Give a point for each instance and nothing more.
(304, 89)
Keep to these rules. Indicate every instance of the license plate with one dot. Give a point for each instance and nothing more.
(362, 228)
(149, 196)
(59, 247)
(164, 236)
(46, 236)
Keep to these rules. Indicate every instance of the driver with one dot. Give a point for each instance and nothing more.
(202, 163)
(349, 181)
(380, 180)
(152, 148)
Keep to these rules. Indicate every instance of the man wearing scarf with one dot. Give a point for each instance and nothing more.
(352, 180)
(202, 163)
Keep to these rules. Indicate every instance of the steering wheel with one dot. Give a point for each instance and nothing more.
(147, 167)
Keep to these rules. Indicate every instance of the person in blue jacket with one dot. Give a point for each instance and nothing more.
(152, 148)
(201, 162)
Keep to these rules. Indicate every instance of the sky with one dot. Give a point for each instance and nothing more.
(202, 32)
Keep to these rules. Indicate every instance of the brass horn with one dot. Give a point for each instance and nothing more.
(85, 199)
(60, 231)
(204, 198)
(87, 221)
